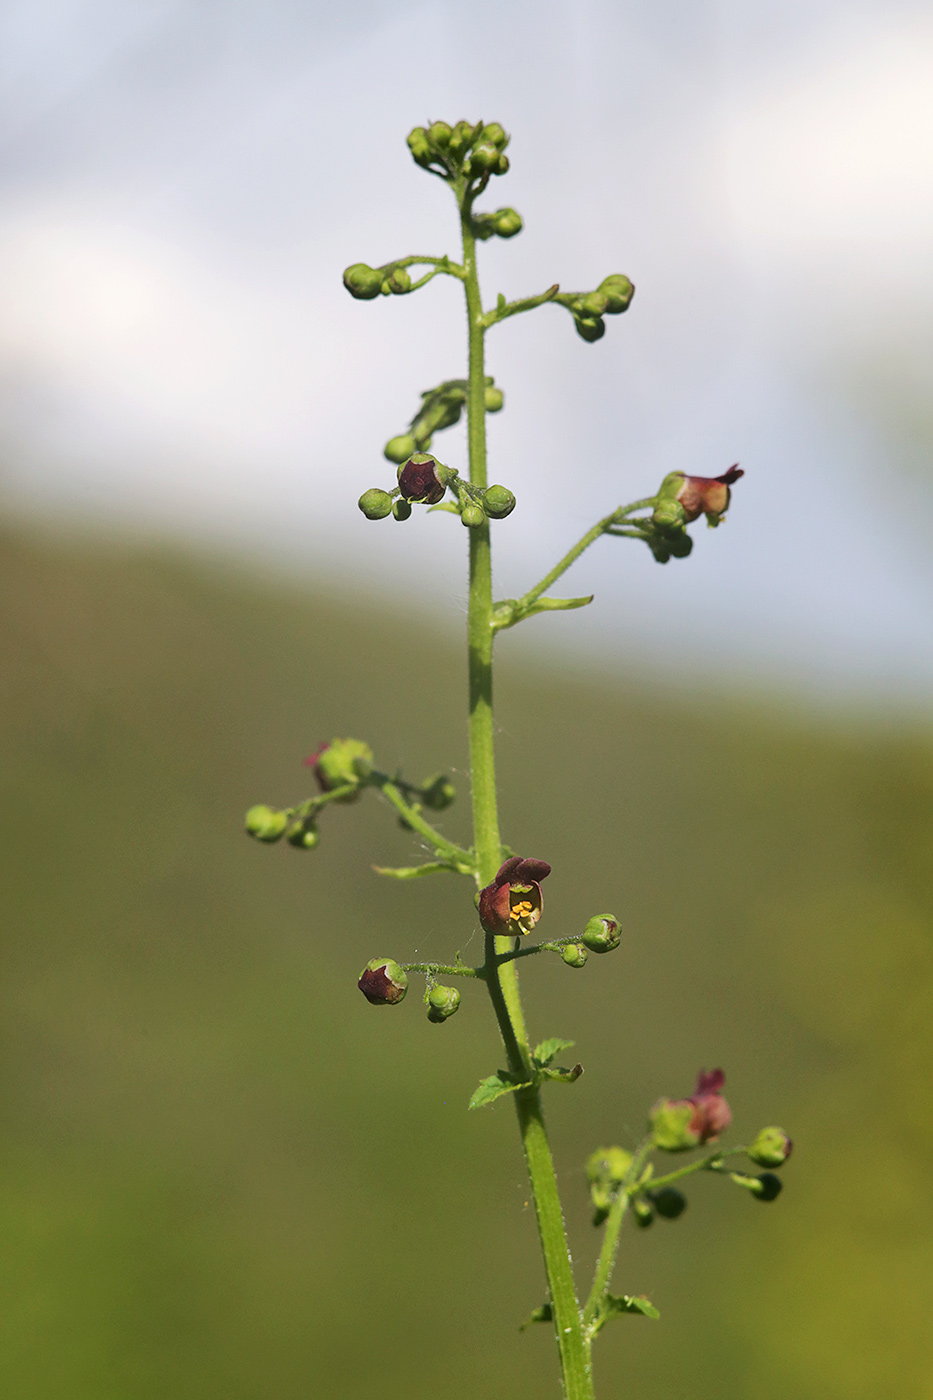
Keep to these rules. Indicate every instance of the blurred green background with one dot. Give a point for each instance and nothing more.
(224, 1175)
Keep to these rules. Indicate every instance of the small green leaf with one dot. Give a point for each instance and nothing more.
(494, 1086)
(413, 872)
(543, 1314)
(564, 1076)
(626, 1303)
(500, 301)
(555, 605)
(544, 1053)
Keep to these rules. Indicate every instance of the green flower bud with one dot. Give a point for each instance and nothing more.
(668, 1203)
(502, 166)
(473, 516)
(442, 1003)
(461, 138)
(574, 954)
(401, 510)
(439, 134)
(669, 515)
(265, 823)
(383, 982)
(495, 134)
(398, 280)
(766, 1187)
(601, 934)
(484, 156)
(399, 449)
(438, 792)
(420, 146)
(498, 501)
(608, 1164)
(680, 544)
(590, 327)
(670, 1122)
(507, 222)
(594, 304)
(493, 398)
(304, 835)
(362, 281)
(340, 762)
(644, 1215)
(618, 291)
(771, 1148)
(375, 504)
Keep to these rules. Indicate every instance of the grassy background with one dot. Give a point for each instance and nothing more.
(224, 1175)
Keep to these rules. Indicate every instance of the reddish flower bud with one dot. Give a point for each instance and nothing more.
(422, 478)
(512, 904)
(383, 982)
(708, 495)
(679, 1124)
(339, 763)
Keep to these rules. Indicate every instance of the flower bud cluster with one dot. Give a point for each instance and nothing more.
(501, 223)
(612, 297)
(340, 767)
(681, 499)
(422, 479)
(365, 282)
(440, 408)
(677, 1125)
(606, 1170)
(463, 150)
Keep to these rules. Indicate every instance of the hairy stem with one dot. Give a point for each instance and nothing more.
(502, 979)
(607, 1255)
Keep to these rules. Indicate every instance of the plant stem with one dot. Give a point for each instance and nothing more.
(573, 554)
(607, 1255)
(502, 980)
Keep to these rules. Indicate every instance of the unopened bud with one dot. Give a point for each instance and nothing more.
(442, 1003)
(438, 792)
(507, 222)
(502, 166)
(304, 835)
(594, 304)
(771, 1148)
(401, 510)
(679, 544)
(644, 1215)
(375, 504)
(340, 762)
(601, 934)
(766, 1187)
(439, 134)
(423, 478)
(610, 1164)
(398, 280)
(670, 1122)
(484, 156)
(383, 982)
(574, 954)
(362, 281)
(590, 327)
(493, 398)
(495, 134)
(419, 145)
(669, 515)
(668, 1202)
(399, 449)
(265, 823)
(473, 516)
(618, 291)
(498, 501)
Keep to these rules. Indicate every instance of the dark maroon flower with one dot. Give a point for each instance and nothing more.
(512, 904)
(711, 1114)
(422, 479)
(383, 982)
(707, 495)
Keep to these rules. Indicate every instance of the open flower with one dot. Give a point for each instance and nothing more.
(679, 1124)
(422, 478)
(708, 495)
(512, 904)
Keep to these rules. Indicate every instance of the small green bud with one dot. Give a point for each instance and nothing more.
(668, 1203)
(680, 544)
(484, 156)
(473, 516)
(383, 982)
(644, 1215)
(608, 1164)
(766, 1187)
(439, 134)
(670, 1122)
(507, 222)
(461, 138)
(574, 955)
(265, 823)
(362, 281)
(375, 504)
(669, 515)
(398, 280)
(493, 398)
(420, 146)
(399, 449)
(771, 1148)
(304, 835)
(498, 501)
(601, 934)
(494, 134)
(502, 166)
(438, 792)
(340, 762)
(594, 304)
(618, 291)
(442, 1003)
(590, 327)
(401, 510)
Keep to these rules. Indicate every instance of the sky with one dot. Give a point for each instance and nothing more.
(181, 185)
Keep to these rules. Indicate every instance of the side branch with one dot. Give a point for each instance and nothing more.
(504, 309)
(452, 854)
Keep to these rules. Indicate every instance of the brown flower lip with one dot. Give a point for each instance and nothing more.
(419, 481)
(513, 903)
(707, 495)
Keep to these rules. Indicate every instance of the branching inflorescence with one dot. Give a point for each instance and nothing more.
(509, 897)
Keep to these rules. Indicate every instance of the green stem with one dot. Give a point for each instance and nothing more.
(448, 969)
(702, 1164)
(607, 1255)
(502, 981)
(573, 554)
(417, 822)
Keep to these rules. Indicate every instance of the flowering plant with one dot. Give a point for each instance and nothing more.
(624, 1183)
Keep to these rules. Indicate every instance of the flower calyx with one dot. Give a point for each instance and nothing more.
(771, 1148)
(677, 1125)
(601, 934)
(513, 903)
(383, 982)
(442, 1003)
